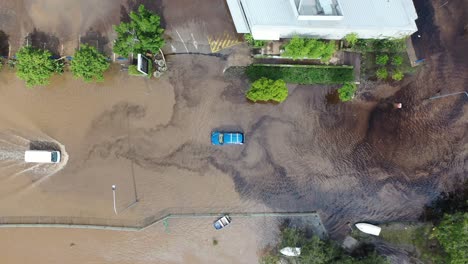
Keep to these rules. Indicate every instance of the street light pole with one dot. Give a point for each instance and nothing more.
(445, 95)
(113, 195)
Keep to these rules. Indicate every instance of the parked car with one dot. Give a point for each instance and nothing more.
(42, 156)
(222, 222)
(227, 138)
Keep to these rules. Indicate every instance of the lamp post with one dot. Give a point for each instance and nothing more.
(113, 196)
(445, 95)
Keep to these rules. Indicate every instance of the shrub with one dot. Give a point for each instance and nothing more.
(35, 66)
(302, 74)
(381, 59)
(142, 34)
(300, 48)
(382, 74)
(314, 250)
(397, 60)
(397, 75)
(132, 70)
(452, 234)
(347, 91)
(380, 45)
(254, 43)
(89, 64)
(351, 38)
(265, 90)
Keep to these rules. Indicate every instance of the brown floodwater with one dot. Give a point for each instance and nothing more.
(359, 161)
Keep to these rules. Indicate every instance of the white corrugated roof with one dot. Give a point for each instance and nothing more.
(367, 16)
(238, 16)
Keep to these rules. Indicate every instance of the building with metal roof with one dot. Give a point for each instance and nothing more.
(326, 19)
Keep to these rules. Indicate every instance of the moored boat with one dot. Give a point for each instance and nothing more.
(368, 228)
(291, 251)
(222, 222)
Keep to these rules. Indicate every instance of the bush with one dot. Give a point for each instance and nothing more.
(265, 90)
(302, 74)
(397, 60)
(452, 234)
(35, 66)
(143, 33)
(382, 74)
(397, 75)
(381, 59)
(380, 45)
(89, 64)
(347, 91)
(300, 48)
(254, 43)
(132, 70)
(351, 38)
(314, 250)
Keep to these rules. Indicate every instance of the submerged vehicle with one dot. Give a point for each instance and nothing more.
(368, 228)
(42, 156)
(227, 138)
(222, 222)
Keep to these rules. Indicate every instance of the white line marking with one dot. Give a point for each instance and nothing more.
(195, 43)
(182, 40)
(173, 48)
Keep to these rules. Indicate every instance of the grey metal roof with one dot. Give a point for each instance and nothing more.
(369, 16)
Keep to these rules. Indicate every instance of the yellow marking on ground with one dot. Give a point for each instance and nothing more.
(223, 42)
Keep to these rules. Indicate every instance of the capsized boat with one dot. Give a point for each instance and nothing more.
(291, 251)
(368, 228)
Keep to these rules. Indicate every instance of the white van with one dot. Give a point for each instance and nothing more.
(42, 156)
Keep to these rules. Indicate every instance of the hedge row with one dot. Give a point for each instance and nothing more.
(302, 74)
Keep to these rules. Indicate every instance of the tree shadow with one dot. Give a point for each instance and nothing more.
(4, 45)
(332, 98)
(156, 6)
(41, 40)
(447, 203)
(43, 145)
(97, 40)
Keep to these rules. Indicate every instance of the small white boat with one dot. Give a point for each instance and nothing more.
(368, 228)
(291, 251)
(222, 222)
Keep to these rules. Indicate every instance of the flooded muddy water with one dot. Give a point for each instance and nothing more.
(359, 161)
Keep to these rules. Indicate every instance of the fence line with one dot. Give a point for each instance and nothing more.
(123, 224)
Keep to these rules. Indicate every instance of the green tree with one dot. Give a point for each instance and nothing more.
(452, 234)
(143, 33)
(89, 64)
(347, 91)
(327, 51)
(35, 66)
(351, 38)
(265, 89)
(295, 48)
(397, 60)
(382, 74)
(300, 48)
(381, 59)
(397, 75)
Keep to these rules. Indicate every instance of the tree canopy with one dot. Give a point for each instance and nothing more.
(351, 38)
(300, 48)
(452, 234)
(35, 66)
(347, 91)
(265, 90)
(89, 64)
(142, 34)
